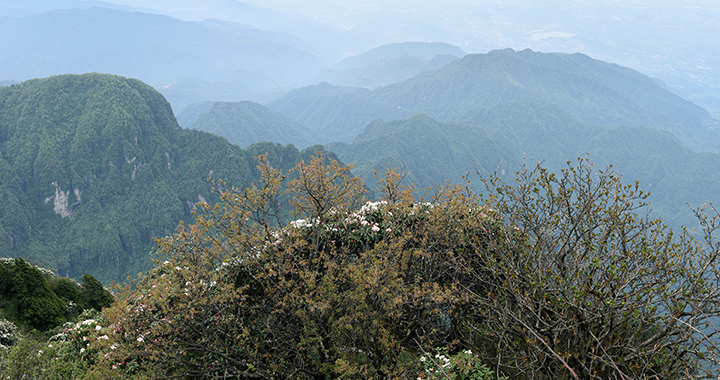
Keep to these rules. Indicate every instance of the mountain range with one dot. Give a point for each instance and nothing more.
(94, 166)
(591, 91)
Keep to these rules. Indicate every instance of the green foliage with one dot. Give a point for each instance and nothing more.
(94, 167)
(36, 298)
(70, 352)
(33, 302)
(94, 294)
(9, 334)
(66, 288)
(464, 365)
(555, 277)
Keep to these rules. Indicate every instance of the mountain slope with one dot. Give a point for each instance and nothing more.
(590, 91)
(423, 50)
(245, 123)
(94, 166)
(506, 135)
(335, 113)
(383, 73)
(431, 151)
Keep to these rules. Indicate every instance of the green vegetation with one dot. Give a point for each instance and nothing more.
(431, 151)
(93, 167)
(555, 277)
(35, 298)
(502, 137)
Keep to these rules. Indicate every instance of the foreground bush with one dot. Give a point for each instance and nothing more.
(555, 277)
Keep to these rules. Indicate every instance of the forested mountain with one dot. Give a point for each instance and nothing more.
(94, 166)
(431, 151)
(336, 113)
(591, 91)
(245, 123)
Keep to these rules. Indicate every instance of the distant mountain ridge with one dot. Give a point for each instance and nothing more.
(246, 123)
(591, 91)
(505, 136)
(154, 48)
(423, 50)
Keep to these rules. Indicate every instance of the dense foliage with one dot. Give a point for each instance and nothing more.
(554, 277)
(93, 167)
(35, 298)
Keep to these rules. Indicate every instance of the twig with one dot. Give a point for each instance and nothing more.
(558, 357)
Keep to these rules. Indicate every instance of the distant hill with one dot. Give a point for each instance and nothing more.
(591, 91)
(433, 152)
(237, 86)
(383, 73)
(157, 49)
(336, 113)
(246, 123)
(93, 166)
(187, 117)
(390, 52)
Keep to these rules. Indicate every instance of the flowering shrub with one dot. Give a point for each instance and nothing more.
(464, 365)
(9, 334)
(553, 278)
(69, 353)
(342, 291)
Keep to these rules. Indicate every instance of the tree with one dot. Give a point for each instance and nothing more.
(556, 277)
(587, 288)
(33, 302)
(93, 294)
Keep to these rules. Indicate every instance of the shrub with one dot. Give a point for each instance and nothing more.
(555, 277)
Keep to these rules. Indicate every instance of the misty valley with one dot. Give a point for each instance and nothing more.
(209, 199)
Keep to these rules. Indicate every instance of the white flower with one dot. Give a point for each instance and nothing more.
(375, 228)
(82, 350)
(98, 328)
(140, 339)
(422, 359)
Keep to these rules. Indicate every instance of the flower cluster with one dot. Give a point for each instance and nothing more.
(9, 334)
(463, 365)
(82, 340)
